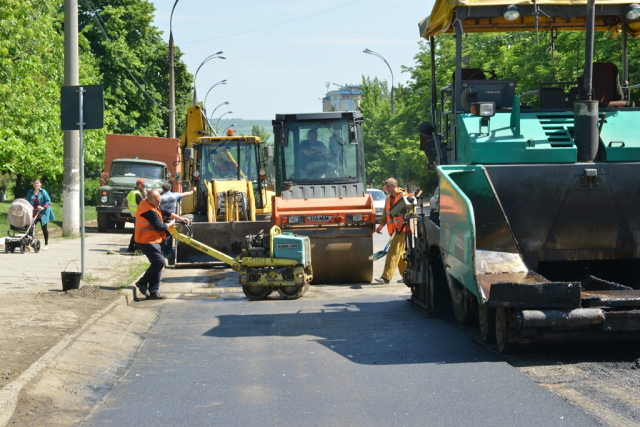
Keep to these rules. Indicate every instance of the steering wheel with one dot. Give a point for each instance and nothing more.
(492, 73)
(320, 167)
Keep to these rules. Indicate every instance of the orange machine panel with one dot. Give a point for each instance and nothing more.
(322, 211)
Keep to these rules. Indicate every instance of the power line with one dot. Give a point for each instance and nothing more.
(271, 26)
(97, 19)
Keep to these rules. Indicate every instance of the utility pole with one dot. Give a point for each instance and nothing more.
(70, 183)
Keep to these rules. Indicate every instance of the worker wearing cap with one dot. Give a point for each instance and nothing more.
(394, 224)
(149, 234)
(133, 200)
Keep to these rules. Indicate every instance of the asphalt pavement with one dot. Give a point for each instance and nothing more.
(341, 355)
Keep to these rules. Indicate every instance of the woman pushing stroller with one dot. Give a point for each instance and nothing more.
(39, 199)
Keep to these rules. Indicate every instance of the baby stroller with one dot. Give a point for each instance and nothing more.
(22, 225)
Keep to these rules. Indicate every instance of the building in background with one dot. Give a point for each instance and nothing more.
(345, 98)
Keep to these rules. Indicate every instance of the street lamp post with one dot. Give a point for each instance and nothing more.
(393, 104)
(222, 82)
(207, 59)
(214, 110)
(218, 122)
(172, 89)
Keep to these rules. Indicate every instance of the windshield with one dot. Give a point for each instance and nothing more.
(377, 195)
(220, 161)
(137, 169)
(319, 150)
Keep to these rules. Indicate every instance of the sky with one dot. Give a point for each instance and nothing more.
(284, 68)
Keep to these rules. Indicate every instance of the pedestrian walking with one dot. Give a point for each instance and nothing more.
(149, 234)
(169, 203)
(133, 200)
(39, 199)
(395, 225)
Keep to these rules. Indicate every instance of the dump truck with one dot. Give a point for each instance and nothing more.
(127, 159)
(232, 197)
(535, 230)
(321, 192)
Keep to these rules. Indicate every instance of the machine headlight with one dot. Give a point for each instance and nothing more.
(483, 109)
(356, 218)
(104, 199)
(294, 219)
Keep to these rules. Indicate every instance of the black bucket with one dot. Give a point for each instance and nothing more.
(70, 279)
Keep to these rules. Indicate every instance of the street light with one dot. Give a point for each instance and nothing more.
(172, 88)
(393, 104)
(344, 87)
(228, 112)
(230, 126)
(222, 82)
(207, 59)
(214, 110)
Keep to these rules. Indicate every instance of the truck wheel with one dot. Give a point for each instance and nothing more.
(465, 305)
(111, 224)
(120, 225)
(256, 293)
(487, 321)
(102, 222)
(503, 325)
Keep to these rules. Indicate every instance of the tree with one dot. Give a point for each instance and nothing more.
(260, 132)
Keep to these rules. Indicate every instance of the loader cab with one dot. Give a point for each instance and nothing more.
(321, 148)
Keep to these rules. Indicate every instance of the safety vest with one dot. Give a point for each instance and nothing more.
(131, 201)
(396, 223)
(145, 233)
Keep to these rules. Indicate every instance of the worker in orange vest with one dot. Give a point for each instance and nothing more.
(394, 224)
(149, 234)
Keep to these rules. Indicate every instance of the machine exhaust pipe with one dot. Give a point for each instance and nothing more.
(585, 111)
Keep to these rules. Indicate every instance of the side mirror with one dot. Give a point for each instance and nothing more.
(283, 141)
(168, 174)
(177, 175)
(268, 151)
(353, 135)
(188, 154)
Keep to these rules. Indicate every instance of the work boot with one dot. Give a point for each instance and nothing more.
(156, 296)
(382, 280)
(142, 287)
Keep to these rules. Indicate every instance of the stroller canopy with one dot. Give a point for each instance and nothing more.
(20, 213)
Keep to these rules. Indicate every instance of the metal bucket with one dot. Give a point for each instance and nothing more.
(70, 279)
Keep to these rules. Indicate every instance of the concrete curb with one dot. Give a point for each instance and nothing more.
(9, 394)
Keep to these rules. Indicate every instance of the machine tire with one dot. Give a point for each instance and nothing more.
(292, 292)
(23, 248)
(111, 224)
(487, 322)
(502, 332)
(36, 246)
(465, 305)
(256, 293)
(120, 225)
(102, 222)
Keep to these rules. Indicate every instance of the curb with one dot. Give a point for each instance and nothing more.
(9, 394)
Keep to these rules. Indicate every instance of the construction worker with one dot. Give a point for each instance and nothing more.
(394, 225)
(133, 200)
(149, 234)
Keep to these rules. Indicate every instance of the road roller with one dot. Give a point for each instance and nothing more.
(321, 192)
(534, 231)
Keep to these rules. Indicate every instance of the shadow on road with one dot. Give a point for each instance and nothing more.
(371, 333)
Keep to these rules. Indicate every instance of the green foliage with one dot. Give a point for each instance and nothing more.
(260, 132)
(91, 185)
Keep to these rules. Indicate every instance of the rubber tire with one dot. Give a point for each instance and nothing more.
(487, 322)
(23, 248)
(253, 294)
(292, 292)
(111, 224)
(102, 222)
(502, 332)
(465, 305)
(13, 248)
(120, 225)
(36, 246)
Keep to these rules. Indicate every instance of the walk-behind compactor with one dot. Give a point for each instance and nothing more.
(232, 197)
(536, 232)
(320, 192)
(279, 261)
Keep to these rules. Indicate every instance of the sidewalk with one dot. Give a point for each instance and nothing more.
(36, 314)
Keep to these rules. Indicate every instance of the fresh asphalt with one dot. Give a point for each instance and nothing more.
(338, 356)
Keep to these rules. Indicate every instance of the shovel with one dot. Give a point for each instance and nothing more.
(382, 253)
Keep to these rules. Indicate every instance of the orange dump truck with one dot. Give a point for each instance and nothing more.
(320, 192)
(127, 159)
